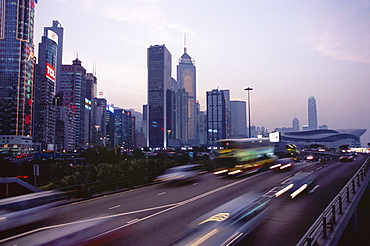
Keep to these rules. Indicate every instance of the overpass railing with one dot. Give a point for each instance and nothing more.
(337, 214)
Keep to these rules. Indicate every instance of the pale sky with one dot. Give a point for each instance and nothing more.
(285, 50)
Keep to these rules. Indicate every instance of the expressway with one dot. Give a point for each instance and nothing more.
(159, 214)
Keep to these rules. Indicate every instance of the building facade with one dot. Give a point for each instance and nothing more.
(159, 87)
(16, 70)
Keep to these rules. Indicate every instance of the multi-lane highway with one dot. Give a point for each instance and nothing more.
(159, 214)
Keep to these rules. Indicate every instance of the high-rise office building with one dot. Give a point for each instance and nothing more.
(159, 85)
(312, 114)
(124, 128)
(16, 72)
(73, 91)
(217, 116)
(186, 77)
(238, 118)
(295, 124)
(91, 94)
(57, 29)
(47, 60)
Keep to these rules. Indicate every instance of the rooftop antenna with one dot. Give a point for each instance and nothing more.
(185, 43)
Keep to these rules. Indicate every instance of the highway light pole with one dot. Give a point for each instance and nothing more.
(249, 111)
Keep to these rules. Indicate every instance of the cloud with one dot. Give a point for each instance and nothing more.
(344, 34)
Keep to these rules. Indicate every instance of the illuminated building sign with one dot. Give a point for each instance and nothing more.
(53, 36)
(87, 104)
(102, 94)
(50, 72)
(110, 108)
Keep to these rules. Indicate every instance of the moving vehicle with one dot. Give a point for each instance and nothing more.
(229, 223)
(283, 164)
(26, 209)
(180, 173)
(346, 158)
(300, 182)
(237, 157)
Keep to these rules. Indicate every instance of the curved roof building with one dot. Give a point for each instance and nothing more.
(329, 138)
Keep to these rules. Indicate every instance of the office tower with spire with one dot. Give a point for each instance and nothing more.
(16, 72)
(159, 96)
(186, 77)
(312, 114)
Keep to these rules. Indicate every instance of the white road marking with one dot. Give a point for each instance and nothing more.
(314, 188)
(115, 207)
(161, 193)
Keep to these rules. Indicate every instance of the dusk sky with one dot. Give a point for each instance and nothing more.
(286, 50)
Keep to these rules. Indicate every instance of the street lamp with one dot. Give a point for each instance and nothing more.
(249, 111)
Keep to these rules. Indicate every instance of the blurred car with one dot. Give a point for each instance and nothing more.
(283, 164)
(229, 223)
(103, 230)
(300, 182)
(180, 173)
(309, 158)
(346, 158)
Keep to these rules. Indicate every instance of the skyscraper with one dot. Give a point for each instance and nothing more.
(295, 124)
(312, 114)
(59, 31)
(73, 92)
(238, 118)
(16, 71)
(159, 85)
(217, 115)
(48, 53)
(186, 77)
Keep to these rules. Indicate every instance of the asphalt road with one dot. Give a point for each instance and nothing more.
(159, 214)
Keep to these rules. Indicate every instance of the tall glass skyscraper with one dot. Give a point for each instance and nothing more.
(16, 69)
(312, 114)
(59, 31)
(186, 77)
(218, 115)
(159, 94)
(48, 57)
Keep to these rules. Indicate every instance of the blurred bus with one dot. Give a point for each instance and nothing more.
(26, 209)
(237, 157)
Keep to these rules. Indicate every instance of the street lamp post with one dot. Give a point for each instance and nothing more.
(249, 111)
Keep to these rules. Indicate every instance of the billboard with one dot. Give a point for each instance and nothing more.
(50, 72)
(53, 36)
(102, 95)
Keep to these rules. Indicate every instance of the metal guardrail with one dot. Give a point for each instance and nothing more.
(327, 224)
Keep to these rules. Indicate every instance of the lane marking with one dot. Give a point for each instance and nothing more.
(115, 207)
(162, 193)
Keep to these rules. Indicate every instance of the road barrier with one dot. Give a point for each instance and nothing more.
(329, 226)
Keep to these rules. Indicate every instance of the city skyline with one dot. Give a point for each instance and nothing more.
(286, 51)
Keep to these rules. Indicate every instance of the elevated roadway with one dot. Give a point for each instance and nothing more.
(160, 214)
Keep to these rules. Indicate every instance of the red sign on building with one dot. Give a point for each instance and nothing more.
(50, 72)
